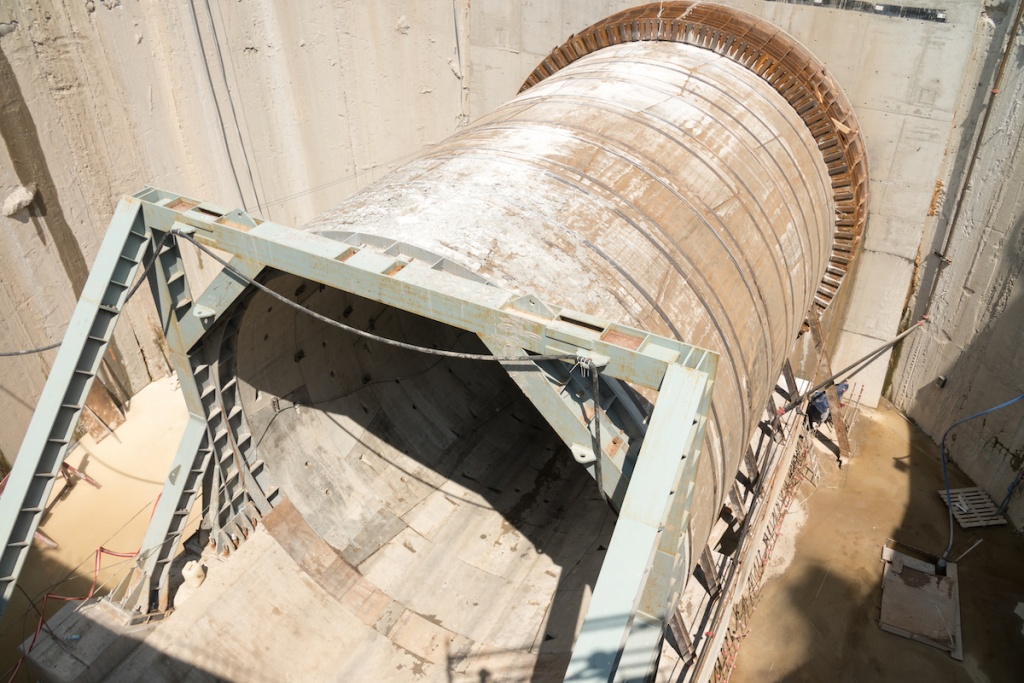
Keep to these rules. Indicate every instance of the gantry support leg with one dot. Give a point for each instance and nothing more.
(60, 406)
(641, 577)
(566, 402)
(147, 588)
(208, 459)
(217, 299)
(648, 558)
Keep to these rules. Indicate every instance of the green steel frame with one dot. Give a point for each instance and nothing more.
(648, 468)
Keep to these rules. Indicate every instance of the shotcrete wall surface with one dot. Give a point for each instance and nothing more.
(970, 357)
(282, 109)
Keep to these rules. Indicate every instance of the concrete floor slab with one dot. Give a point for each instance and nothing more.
(918, 603)
(819, 620)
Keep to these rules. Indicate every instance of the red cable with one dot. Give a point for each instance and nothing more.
(100, 552)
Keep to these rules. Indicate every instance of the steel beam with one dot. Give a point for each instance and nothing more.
(60, 406)
(207, 440)
(627, 353)
(569, 410)
(217, 299)
(648, 557)
(158, 544)
(642, 571)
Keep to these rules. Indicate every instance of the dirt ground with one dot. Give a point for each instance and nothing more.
(818, 618)
(130, 468)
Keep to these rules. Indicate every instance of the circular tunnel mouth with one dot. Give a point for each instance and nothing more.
(435, 478)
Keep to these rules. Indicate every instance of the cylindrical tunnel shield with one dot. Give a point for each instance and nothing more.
(653, 183)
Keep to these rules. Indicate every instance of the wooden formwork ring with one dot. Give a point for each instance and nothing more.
(781, 61)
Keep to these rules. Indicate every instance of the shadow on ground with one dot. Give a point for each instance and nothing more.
(820, 620)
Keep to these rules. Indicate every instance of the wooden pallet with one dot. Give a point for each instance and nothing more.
(973, 508)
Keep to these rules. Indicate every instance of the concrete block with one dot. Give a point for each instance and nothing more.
(496, 25)
(918, 152)
(892, 235)
(540, 28)
(881, 131)
(337, 579)
(374, 607)
(388, 618)
(431, 515)
(357, 595)
(381, 527)
(906, 200)
(421, 637)
(496, 77)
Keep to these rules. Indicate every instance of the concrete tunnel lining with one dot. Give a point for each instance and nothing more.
(435, 478)
(655, 184)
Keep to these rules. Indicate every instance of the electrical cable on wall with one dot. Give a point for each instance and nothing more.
(27, 352)
(131, 293)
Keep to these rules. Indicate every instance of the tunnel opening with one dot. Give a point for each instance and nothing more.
(435, 478)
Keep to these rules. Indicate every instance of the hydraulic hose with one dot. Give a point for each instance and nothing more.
(945, 473)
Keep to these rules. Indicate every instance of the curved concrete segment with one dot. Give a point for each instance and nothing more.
(655, 184)
(658, 185)
(452, 518)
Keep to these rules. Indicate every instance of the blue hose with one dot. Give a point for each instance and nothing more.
(945, 475)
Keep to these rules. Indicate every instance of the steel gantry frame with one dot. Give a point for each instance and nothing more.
(647, 468)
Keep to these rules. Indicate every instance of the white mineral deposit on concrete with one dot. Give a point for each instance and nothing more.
(19, 198)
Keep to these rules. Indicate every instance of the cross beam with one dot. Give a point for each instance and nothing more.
(525, 322)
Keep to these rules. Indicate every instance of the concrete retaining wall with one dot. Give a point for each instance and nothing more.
(975, 296)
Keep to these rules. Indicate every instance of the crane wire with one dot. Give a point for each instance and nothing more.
(574, 357)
